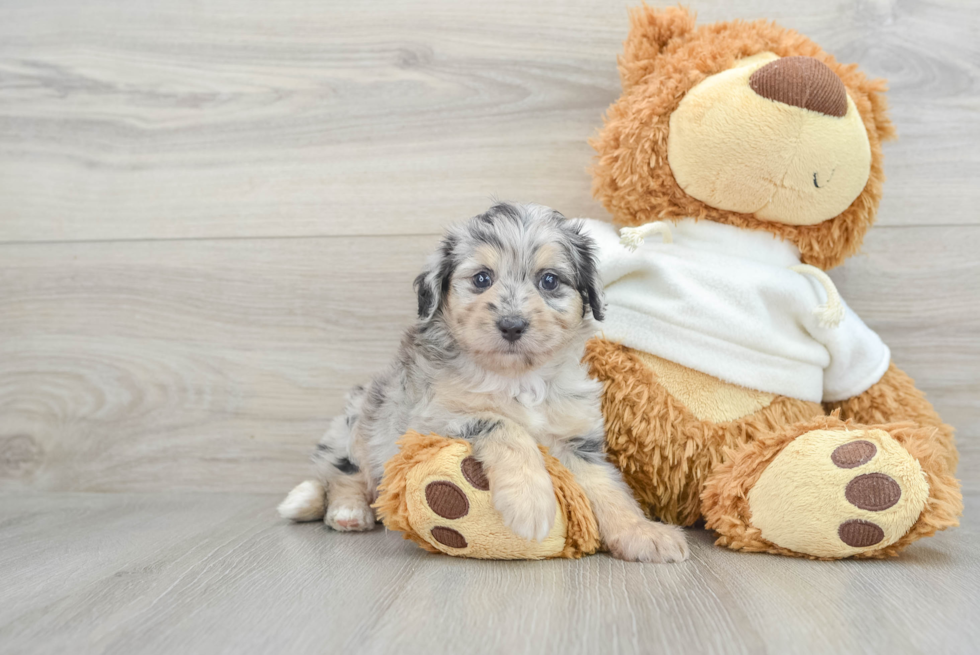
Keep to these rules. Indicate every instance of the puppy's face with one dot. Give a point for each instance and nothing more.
(513, 286)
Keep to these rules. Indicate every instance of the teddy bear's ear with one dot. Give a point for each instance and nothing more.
(650, 32)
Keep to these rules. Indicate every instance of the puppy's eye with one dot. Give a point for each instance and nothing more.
(549, 282)
(482, 280)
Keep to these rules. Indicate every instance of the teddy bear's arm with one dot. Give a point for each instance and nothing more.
(894, 398)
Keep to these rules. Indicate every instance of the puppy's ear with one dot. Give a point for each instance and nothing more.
(432, 284)
(586, 271)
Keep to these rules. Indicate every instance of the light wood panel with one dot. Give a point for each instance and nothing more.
(125, 119)
(216, 364)
(211, 212)
(190, 364)
(217, 573)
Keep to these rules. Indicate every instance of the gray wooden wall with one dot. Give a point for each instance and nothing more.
(211, 211)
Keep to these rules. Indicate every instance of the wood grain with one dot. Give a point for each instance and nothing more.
(210, 216)
(131, 366)
(137, 120)
(216, 364)
(216, 573)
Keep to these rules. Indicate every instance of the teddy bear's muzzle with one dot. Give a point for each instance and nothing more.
(775, 137)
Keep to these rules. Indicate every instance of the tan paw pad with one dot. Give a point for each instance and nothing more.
(450, 506)
(837, 493)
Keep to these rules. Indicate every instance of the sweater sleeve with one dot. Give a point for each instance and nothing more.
(858, 356)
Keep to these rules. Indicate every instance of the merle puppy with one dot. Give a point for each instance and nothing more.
(505, 307)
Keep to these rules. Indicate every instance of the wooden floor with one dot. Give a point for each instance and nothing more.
(217, 573)
(211, 213)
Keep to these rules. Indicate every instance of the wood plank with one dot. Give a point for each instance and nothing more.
(132, 120)
(164, 330)
(215, 365)
(218, 573)
(130, 366)
(154, 573)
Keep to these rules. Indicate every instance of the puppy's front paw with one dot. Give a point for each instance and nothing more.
(350, 517)
(526, 500)
(646, 541)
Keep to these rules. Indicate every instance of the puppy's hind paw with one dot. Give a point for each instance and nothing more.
(350, 517)
(304, 503)
(646, 541)
(526, 502)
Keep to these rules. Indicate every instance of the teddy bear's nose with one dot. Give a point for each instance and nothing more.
(801, 82)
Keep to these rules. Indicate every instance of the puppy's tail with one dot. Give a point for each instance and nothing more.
(306, 502)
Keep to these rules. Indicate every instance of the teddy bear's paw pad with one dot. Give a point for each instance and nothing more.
(875, 492)
(447, 500)
(450, 506)
(474, 473)
(860, 534)
(853, 454)
(448, 537)
(837, 493)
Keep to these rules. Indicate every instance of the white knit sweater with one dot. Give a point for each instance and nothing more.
(723, 301)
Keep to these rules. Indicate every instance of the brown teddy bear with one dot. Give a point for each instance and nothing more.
(738, 386)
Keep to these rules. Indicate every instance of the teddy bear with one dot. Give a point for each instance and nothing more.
(740, 163)
(739, 387)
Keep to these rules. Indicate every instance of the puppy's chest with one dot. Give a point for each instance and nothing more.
(547, 420)
(562, 406)
(537, 419)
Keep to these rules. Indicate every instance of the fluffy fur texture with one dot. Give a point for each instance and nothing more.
(580, 535)
(665, 55)
(683, 467)
(665, 452)
(802, 500)
(505, 306)
(726, 503)
(894, 398)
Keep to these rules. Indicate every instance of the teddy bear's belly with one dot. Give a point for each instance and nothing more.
(668, 427)
(705, 396)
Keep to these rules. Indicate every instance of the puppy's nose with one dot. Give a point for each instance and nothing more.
(801, 82)
(512, 327)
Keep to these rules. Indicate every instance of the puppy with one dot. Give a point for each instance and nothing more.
(505, 306)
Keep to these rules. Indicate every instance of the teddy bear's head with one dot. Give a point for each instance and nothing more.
(748, 124)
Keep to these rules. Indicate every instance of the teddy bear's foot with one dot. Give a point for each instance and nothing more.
(437, 493)
(456, 514)
(829, 489)
(837, 493)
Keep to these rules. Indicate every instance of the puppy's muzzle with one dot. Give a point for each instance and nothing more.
(512, 327)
